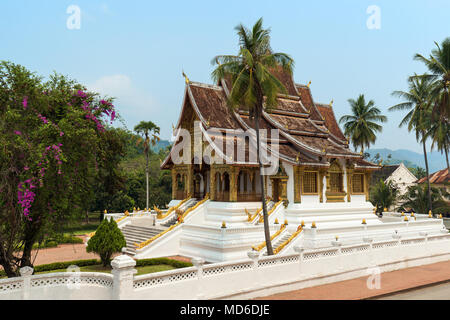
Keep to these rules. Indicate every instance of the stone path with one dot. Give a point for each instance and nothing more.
(357, 289)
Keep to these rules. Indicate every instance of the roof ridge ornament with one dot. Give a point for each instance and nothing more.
(186, 79)
(331, 102)
(309, 83)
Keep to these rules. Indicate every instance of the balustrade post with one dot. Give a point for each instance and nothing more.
(26, 273)
(338, 244)
(254, 255)
(198, 263)
(123, 273)
(300, 251)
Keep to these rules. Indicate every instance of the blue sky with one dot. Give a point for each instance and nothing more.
(135, 50)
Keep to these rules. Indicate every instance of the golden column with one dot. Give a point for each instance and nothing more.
(190, 181)
(212, 182)
(174, 183)
(298, 180)
(367, 177)
(234, 172)
(349, 184)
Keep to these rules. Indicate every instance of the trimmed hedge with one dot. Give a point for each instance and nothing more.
(170, 262)
(91, 262)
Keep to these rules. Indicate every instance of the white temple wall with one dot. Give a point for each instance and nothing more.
(288, 168)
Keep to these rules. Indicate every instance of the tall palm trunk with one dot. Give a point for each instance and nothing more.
(446, 158)
(263, 191)
(430, 205)
(146, 178)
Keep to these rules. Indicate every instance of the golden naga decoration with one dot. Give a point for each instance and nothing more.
(171, 209)
(261, 217)
(159, 212)
(284, 244)
(90, 235)
(331, 102)
(120, 219)
(126, 213)
(406, 218)
(263, 244)
(180, 221)
(302, 224)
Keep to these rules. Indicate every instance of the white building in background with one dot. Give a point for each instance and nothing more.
(402, 178)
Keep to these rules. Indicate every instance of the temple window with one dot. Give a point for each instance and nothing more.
(358, 183)
(310, 182)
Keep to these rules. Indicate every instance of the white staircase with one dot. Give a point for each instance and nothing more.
(137, 234)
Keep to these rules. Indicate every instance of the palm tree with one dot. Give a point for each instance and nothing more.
(254, 87)
(149, 131)
(416, 198)
(419, 115)
(439, 132)
(362, 125)
(383, 195)
(438, 64)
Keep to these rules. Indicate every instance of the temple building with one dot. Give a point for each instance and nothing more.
(315, 162)
(317, 189)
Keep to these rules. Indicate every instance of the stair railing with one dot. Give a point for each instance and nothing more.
(252, 217)
(261, 216)
(276, 234)
(160, 215)
(285, 243)
(180, 221)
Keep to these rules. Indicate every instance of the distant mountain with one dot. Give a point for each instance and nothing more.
(161, 144)
(436, 160)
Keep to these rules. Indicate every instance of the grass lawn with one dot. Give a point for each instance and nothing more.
(100, 268)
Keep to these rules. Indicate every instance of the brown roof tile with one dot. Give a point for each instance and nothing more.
(330, 120)
(441, 176)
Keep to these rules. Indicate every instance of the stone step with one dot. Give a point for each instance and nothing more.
(139, 234)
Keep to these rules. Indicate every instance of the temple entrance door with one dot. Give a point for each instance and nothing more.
(198, 184)
(275, 189)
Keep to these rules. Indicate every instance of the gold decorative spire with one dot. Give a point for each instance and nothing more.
(186, 79)
(331, 102)
(309, 83)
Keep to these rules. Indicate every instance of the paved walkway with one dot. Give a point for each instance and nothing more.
(357, 289)
(434, 292)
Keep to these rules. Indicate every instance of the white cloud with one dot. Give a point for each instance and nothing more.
(132, 103)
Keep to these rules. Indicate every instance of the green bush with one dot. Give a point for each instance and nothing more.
(156, 261)
(445, 211)
(107, 240)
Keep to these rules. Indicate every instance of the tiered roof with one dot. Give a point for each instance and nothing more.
(309, 133)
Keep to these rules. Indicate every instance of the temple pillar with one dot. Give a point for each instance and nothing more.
(174, 183)
(322, 174)
(298, 180)
(190, 181)
(349, 184)
(212, 183)
(367, 177)
(234, 172)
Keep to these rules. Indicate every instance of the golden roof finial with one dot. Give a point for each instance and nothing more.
(297, 158)
(207, 122)
(186, 79)
(309, 83)
(323, 150)
(331, 102)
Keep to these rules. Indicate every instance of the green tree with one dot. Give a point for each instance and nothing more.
(418, 172)
(107, 240)
(416, 198)
(150, 132)
(439, 133)
(383, 195)
(417, 101)
(438, 64)
(254, 87)
(361, 126)
(53, 136)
